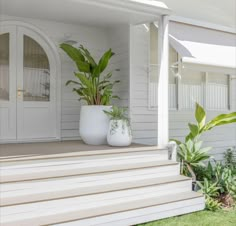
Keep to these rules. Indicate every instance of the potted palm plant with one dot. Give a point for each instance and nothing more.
(94, 87)
(119, 132)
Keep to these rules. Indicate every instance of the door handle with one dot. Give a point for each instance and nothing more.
(19, 91)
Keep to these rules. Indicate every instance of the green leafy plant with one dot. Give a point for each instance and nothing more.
(221, 176)
(192, 155)
(204, 171)
(91, 85)
(212, 204)
(116, 114)
(230, 158)
(211, 192)
(208, 188)
(202, 126)
(190, 152)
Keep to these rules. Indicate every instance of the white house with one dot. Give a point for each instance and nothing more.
(166, 63)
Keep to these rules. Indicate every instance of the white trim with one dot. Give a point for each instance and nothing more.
(230, 101)
(202, 24)
(148, 7)
(57, 60)
(194, 65)
(190, 60)
(130, 71)
(163, 61)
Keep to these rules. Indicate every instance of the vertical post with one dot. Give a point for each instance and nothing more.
(163, 58)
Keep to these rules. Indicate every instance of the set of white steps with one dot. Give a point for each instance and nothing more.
(115, 187)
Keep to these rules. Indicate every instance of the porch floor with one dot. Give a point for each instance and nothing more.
(27, 151)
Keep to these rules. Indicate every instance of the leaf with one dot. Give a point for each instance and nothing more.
(73, 82)
(103, 62)
(83, 66)
(84, 80)
(197, 145)
(194, 129)
(72, 52)
(200, 115)
(176, 141)
(222, 119)
(88, 56)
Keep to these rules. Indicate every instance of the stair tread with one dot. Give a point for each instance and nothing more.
(60, 162)
(34, 188)
(26, 173)
(76, 151)
(72, 208)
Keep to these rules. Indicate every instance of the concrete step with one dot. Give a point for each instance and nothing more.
(54, 169)
(18, 193)
(93, 206)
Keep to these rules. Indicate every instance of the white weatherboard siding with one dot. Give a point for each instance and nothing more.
(144, 119)
(118, 41)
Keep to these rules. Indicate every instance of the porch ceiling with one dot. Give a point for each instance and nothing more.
(103, 13)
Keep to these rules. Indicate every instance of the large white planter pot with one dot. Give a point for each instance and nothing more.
(119, 133)
(94, 124)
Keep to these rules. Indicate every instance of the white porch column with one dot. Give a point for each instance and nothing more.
(163, 62)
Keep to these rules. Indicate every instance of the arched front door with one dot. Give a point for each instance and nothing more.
(27, 86)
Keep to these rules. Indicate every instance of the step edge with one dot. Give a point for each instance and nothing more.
(116, 188)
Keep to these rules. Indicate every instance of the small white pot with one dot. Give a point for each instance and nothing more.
(94, 124)
(119, 133)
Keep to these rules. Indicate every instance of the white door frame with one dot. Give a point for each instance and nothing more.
(54, 51)
(8, 127)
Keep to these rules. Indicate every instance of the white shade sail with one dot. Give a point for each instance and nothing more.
(209, 50)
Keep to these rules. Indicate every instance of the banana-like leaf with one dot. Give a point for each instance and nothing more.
(83, 66)
(87, 54)
(200, 115)
(84, 80)
(194, 129)
(220, 120)
(72, 52)
(103, 62)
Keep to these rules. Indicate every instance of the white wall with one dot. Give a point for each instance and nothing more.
(144, 120)
(118, 41)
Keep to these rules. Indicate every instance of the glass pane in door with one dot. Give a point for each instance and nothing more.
(36, 78)
(4, 66)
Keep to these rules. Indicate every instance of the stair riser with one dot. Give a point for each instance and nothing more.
(127, 189)
(15, 176)
(144, 215)
(160, 154)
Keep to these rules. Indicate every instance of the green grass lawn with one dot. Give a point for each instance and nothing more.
(203, 218)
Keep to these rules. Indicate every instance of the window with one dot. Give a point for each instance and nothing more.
(211, 90)
(191, 88)
(36, 72)
(4, 66)
(217, 91)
